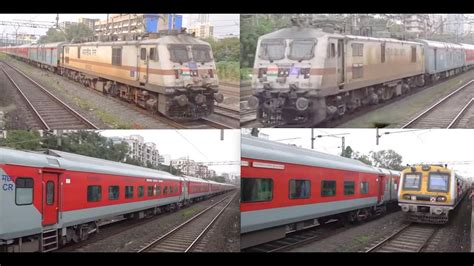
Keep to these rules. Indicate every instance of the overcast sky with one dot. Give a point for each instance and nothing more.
(206, 144)
(432, 146)
(224, 24)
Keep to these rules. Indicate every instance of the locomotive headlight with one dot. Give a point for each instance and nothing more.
(200, 99)
(252, 102)
(405, 208)
(302, 104)
(182, 100)
(441, 198)
(219, 97)
(407, 196)
(438, 211)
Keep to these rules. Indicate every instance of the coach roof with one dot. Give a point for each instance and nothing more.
(257, 148)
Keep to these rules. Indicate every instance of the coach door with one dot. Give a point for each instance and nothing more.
(144, 63)
(50, 198)
(340, 62)
(381, 188)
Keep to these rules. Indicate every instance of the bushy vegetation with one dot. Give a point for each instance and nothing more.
(228, 71)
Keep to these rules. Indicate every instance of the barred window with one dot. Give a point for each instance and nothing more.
(357, 71)
(364, 187)
(349, 187)
(114, 192)
(141, 191)
(117, 56)
(328, 188)
(357, 49)
(150, 191)
(158, 190)
(300, 189)
(94, 193)
(128, 192)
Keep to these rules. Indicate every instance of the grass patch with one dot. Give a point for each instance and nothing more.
(189, 212)
(228, 71)
(362, 239)
(111, 120)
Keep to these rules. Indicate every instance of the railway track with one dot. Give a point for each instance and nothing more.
(185, 236)
(297, 239)
(410, 238)
(50, 111)
(447, 112)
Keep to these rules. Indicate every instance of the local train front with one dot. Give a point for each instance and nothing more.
(428, 193)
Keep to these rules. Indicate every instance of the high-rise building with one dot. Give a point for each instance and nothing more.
(145, 152)
(455, 24)
(90, 22)
(137, 23)
(202, 30)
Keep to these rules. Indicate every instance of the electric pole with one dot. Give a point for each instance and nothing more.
(377, 136)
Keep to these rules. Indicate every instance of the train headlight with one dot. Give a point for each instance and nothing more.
(441, 198)
(438, 211)
(182, 100)
(405, 208)
(302, 104)
(407, 196)
(200, 99)
(252, 102)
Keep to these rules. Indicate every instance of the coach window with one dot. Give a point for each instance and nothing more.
(150, 191)
(94, 193)
(328, 188)
(153, 54)
(349, 188)
(140, 191)
(50, 192)
(158, 190)
(117, 56)
(412, 181)
(357, 49)
(413, 54)
(114, 192)
(128, 192)
(300, 189)
(364, 187)
(23, 191)
(165, 190)
(257, 189)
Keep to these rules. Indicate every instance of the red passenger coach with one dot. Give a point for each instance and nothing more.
(285, 189)
(53, 198)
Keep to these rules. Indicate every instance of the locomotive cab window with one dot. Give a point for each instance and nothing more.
(128, 192)
(50, 192)
(178, 53)
(23, 191)
(438, 182)
(114, 192)
(272, 49)
(140, 191)
(257, 189)
(143, 53)
(349, 187)
(328, 188)
(94, 193)
(300, 189)
(153, 54)
(201, 53)
(301, 50)
(412, 181)
(117, 56)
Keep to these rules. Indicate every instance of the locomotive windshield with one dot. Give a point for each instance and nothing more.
(178, 53)
(272, 49)
(438, 182)
(412, 181)
(201, 53)
(302, 50)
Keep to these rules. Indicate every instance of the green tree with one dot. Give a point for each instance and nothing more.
(53, 35)
(22, 140)
(387, 159)
(347, 152)
(78, 32)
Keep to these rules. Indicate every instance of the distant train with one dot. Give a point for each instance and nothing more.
(286, 188)
(306, 76)
(174, 74)
(53, 198)
(429, 192)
